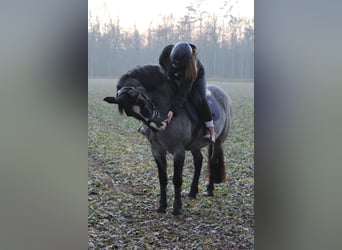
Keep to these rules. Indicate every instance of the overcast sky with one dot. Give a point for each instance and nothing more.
(143, 13)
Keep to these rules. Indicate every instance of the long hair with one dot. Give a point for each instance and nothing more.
(191, 67)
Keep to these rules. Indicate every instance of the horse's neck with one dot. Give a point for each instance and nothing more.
(162, 99)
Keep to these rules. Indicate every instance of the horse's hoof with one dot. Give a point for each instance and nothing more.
(210, 193)
(177, 208)
(161, 209)
(192, 195)
(177, 212)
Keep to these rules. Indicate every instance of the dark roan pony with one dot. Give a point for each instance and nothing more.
(146, 94)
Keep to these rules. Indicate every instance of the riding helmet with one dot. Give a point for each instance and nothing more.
(180, 54)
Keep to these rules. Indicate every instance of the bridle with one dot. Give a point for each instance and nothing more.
(140, 98)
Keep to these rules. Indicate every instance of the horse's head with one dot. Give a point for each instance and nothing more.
(137, 105)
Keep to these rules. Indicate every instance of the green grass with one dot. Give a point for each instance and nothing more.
(123, 184)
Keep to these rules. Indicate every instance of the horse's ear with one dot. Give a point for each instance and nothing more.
(111, 99)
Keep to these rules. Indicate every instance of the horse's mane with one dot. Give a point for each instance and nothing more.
(149, 76)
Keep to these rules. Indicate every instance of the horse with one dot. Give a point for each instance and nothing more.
(145, 93)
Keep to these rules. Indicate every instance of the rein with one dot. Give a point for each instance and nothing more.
(140, 97)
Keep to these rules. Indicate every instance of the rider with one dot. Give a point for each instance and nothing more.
(180, 62)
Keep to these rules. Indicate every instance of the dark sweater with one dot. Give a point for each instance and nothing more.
(185, 87)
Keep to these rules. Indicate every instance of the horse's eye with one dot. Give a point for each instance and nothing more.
(145, 108)
(131, 93)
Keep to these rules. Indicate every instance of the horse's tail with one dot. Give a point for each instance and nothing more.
(216, 167)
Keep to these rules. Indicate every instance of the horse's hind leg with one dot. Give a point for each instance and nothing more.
(198, 160)
(160, 158)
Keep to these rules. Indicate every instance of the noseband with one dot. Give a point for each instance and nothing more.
(140, 98)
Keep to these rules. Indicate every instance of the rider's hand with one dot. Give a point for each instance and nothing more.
(169, 117)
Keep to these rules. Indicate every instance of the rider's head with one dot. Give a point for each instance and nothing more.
(184, 56)
(180, 54)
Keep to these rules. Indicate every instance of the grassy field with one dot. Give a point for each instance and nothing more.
(123, 186)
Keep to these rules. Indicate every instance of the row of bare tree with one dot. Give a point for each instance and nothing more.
(225, 45)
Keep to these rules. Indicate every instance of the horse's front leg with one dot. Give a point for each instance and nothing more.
(160, 158)
(178, 162)
(198, 160)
